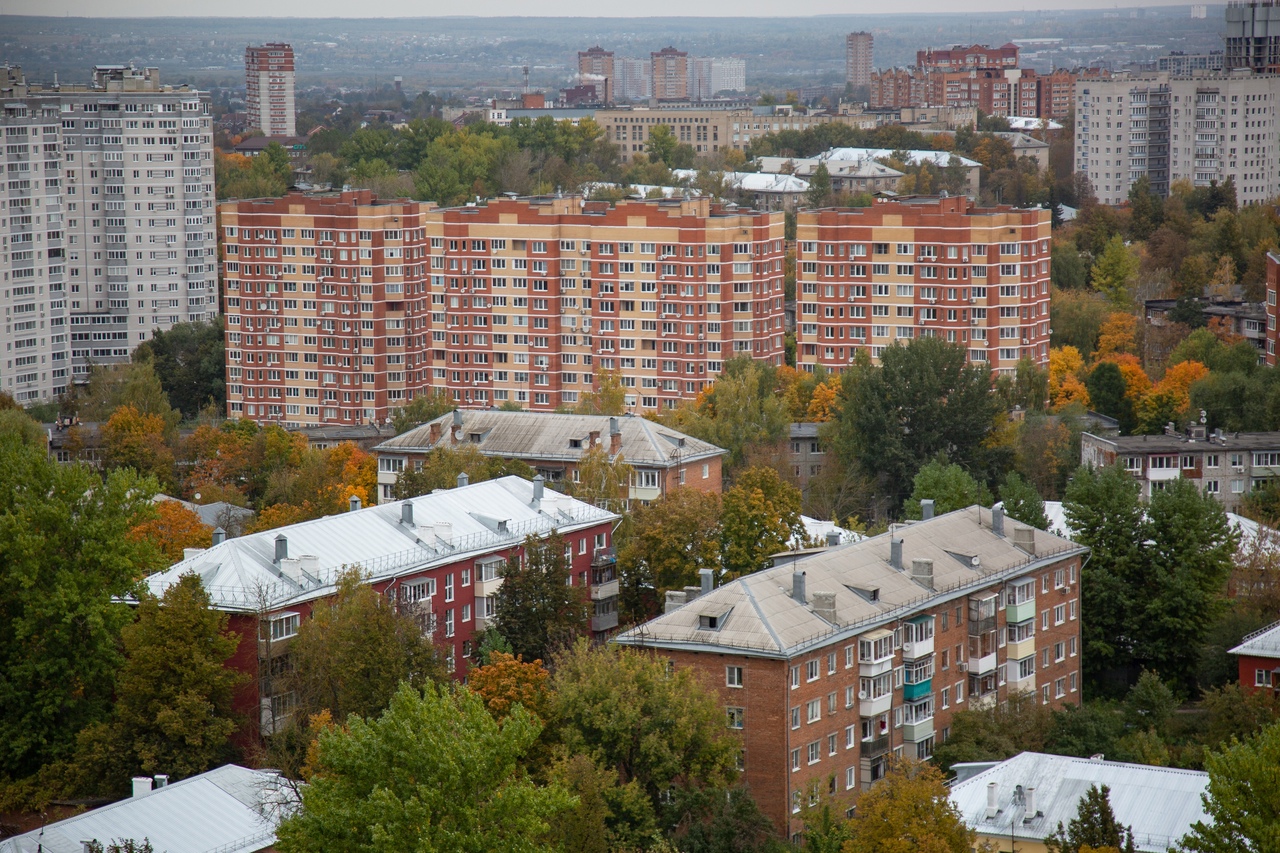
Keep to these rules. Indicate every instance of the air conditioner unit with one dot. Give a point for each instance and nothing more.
(962, 666)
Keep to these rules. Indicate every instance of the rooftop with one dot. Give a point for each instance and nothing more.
(552, 436)
(1181, 443)
(757, 615)
(1160, 804)
(447, 525)
(1263, 644)
(229, 810)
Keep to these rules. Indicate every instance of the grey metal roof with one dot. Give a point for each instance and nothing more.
(758, 616)
(548, 436)
(449, 524)
(1181, 444)
(1264, 643)
(231, 809)
(212, 514)
(1159, 803)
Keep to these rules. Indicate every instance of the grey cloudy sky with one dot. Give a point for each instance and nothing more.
(419, 8)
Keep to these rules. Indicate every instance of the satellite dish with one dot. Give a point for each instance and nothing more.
(975, 561)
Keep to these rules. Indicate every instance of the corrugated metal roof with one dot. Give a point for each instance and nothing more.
(229, 810)
(757, 615)
(1159, 803)
(1263, 644)
(241, 574)
(550, 436)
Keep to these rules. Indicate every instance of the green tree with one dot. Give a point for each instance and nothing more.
(1067, 268)
(819, 187)
(189, 360)
(442, 466)
(1107, 395)
(426, 406)
(1146, 209)
(608, 398)
(1094, 826)
(434, 772)
(1114, 272)
(1150, 704)
(1002, 731)
(173, 709)
(1243, 799)
(908, 810)
(741, 409)
(760, 515)
(949, 487)
(356, 650)
(603, 481)
(663, 730)
(1022, 502)
(661, 145)
(537, 610)
(671, 540)
(923, 400)
(67, 563)
(735, 825)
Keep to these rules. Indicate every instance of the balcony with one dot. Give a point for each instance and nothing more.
(918, 649)
(983, 665)
(488, 588)
(874, 747)
(983, 702)
(1020, 649)
(605, 622)
(601, 591)
(873, 707)
(918, 690)
(918, 731)
(604, 556)
(1020, 612)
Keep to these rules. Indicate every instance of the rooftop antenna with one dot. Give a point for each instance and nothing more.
(526, 79)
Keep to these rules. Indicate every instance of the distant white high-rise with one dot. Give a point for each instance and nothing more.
(634, 80)
(728, 75)
(268, 78)
(110, 222)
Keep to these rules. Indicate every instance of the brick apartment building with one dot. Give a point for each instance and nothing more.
(1225, 465)
(834, 664)
(269, 89)
(439, 554)
(1273, 288)
(859, 50)
(981, 76)
(343, 307)
(670, 70)
(942, 267)
(553, 445)
(595, 65)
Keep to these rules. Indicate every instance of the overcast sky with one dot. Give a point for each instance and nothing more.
(419, 8)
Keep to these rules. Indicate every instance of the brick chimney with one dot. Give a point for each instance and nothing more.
(435, 433)
(593, 438)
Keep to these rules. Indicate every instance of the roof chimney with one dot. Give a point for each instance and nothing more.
(434, 432)
(1030, 799)
(538, 480)
(188, 553)
(824, 606)
(615, 437)
(593, 438)
(406, 513)
(833, 538)
(708, 580)
(1025, 538)
(456, 431)
(282, 548)
(997, 520)
(922, 571)
(141, 786)
(675, 600)
(463, 480)
(162, 780)
(797, 587)
(444, 531)
(219, 536)
(926, 509)
(895, 552)
(992, 807)
(353, 503)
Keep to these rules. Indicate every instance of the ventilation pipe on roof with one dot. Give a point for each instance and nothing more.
(310, 564)
(141, 786)
(406, 513)
(615, 437)
(463, 480)
(1030, 800)
(219, 536)
(926, 509)
(162, 780)
(833, 539)
(997, 520)
(188, 553)
(538, 480)
(444, 531)
(707, 577)
(456, 430)
(354, 503)
(895, 553)
(797, 587)
(992, 807)
(282, 548)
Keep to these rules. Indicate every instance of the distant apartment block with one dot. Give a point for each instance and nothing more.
(670, 69)
(110, 233)
(634, 81)
(841, 662)
(1132, 126)
(859, 58)
(1252, 37)
(553, 444)
(1183, 64)
(964, 57)
(268, 77)
(1225, 465)
(874, 276)
(343, 307)
(709, 76)
(595, 66)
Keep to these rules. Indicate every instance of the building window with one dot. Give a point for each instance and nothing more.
(735, 717)
(1261, 678)
(795, 717)
(795, 765)
(815, 752)
(850, 778)
(814, 709)
(812, 670)
(284, 626)
(795, 677)
(733, 676)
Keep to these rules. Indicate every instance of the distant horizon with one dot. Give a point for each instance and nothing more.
(402, 9)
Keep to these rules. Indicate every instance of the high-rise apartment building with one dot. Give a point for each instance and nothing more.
(596, 66)
(1203, 128)
(670, 69)
(871, 277)
(341, 308)
(115, 231)
(634, 80)
(858, 58)
(268, 80)
(1253, 35)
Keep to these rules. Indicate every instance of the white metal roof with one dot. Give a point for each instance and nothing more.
(914, 155)
(1030, 123)
(1264, 643)
(241, 574)
(231, 809)
(754, 182)
(1159, 803)
(757, 615)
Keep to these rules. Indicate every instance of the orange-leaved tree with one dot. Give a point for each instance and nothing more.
(171, 529)
(132, 439)
(509, 680)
